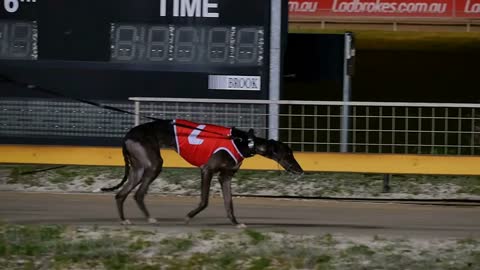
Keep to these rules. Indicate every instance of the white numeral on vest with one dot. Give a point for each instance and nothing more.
(192, 138)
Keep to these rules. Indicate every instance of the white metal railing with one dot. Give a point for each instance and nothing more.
(375, 127)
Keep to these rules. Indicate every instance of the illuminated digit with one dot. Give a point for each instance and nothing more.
(186, 39)
(218, 43)
(125, 43)
(247, 46)
(11, 5)
(20, 41)
(157, 45)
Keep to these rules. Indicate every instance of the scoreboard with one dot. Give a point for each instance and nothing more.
(113, 49)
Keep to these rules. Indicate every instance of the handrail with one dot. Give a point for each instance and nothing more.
(308, 102)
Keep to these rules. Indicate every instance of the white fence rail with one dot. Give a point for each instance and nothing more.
(315, 126)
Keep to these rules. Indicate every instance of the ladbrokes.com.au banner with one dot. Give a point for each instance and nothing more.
(312, 9)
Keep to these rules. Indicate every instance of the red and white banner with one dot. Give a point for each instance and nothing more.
(315, 9)
(467, 9)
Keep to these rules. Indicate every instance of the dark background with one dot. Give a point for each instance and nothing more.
(436, 70)
(445, 75)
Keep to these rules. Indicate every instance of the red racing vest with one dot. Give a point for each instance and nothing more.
(196, 143)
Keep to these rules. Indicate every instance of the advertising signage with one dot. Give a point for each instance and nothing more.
(437, 9)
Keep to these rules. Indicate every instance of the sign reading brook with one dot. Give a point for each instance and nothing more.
(228, 82)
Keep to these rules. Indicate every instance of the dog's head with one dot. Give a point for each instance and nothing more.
(244, 141)
(280, 152)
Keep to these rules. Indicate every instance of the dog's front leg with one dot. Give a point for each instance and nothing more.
(226, 183)
(207, 175)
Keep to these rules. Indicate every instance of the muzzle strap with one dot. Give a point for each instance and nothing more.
(251, 142)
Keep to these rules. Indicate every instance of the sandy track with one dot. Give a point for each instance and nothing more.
(294, 216)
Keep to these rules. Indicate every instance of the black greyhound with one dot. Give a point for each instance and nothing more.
(143, 161)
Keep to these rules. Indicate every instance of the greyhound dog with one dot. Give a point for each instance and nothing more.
(214, 149)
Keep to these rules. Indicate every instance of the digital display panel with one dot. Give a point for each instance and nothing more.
(226, 45)
(115, 49)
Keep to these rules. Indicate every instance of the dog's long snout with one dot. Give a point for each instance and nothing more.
(297, 170)
(292, 166)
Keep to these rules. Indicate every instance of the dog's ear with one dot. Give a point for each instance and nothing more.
(251, 133)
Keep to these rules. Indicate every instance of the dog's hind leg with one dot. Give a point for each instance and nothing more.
(138, 162)
(207, 175)
(133, 180)
(225, 179)
(149, 175)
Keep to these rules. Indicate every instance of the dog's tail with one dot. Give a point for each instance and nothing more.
(127, 170)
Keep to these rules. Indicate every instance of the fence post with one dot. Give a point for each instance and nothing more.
(137, 113)
(349, 54)
(275, 69)
(386, 183)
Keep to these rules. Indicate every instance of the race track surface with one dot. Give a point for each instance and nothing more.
(294, 216)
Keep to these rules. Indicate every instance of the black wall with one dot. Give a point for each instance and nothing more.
(439, 74)
(314, 67)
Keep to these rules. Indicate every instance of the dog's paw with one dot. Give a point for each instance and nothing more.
(241, 226)
(187, 220)
(126, 222)
(152, 220)
(97, 190)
